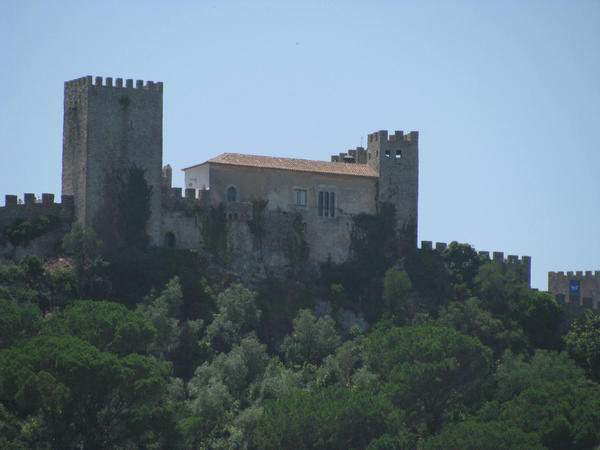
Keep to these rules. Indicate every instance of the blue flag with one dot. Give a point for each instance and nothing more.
(574, 287)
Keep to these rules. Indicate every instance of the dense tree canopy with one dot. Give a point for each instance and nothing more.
(426, 366)
(583, 343)
(431, 350)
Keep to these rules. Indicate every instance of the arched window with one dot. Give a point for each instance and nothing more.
(231, 194)
(169, 240)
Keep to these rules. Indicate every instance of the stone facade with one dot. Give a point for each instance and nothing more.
(576, 290)
(292, 187)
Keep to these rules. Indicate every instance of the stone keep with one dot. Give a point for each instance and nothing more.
(107, 129)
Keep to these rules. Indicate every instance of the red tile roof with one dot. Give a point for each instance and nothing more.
(298, 165)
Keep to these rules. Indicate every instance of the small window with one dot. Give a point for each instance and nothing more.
(169, 240)
(388, 154)
(300, 197)
(326, 204)
(231, 194)
(398, 155)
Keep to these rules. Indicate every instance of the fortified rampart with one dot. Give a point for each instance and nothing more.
(33, 208)
(521, 266)
(36, 225)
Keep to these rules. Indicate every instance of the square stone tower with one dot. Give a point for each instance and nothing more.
(108, 129)
(396, 160)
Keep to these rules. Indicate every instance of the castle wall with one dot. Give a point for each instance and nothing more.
(587, 285)
(107, 129)
(34, 208)
(186, 229)
(31, 209)
(520, 266)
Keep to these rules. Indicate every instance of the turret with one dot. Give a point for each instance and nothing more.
(396, 160)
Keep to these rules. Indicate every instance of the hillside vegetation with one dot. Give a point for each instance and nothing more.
(155, 350)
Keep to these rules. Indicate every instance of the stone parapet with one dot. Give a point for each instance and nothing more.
(511, 261)
(34, 207)
(177, 198)
(97, 82)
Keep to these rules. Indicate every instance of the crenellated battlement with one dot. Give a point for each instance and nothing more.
(98, 82)
(398, 136)
(33, 207)
(511, 261)
(353, 156)
(12, 201)
(579, 275)
(177, 198)
(485, 255)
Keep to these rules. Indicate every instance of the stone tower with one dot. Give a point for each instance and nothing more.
(396, 160)
(108, 129)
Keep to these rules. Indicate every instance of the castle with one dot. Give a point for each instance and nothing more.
(276, 211)
(270, 212)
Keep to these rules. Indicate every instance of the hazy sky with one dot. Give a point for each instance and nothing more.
(505, 95)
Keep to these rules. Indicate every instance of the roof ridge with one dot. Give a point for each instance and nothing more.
(293, 164)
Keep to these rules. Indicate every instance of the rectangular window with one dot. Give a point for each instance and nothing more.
(300, 197)
(320, 203)
(326, 203)
(332, 204)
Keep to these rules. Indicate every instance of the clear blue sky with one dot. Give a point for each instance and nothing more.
(505, 95)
